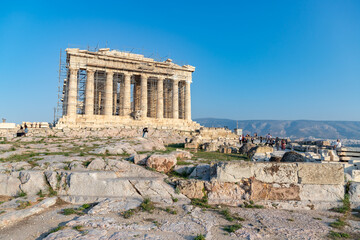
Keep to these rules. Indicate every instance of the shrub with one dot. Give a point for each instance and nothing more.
(338, 235)
(23, 204)
(171, 211)
(232, 228)
(339, 223)
(147, 205)
(129, 213)
(203, 202)
(21, 194)
(199, 237)
(40, 194)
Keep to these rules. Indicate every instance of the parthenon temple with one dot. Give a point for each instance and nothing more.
(113, 88)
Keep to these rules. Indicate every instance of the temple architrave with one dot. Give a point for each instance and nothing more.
(112, 88)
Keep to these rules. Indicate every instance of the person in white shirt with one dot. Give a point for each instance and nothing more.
(337, 144)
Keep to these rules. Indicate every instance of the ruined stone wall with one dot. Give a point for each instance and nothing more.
(275, 185)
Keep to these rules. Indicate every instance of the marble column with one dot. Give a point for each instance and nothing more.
(72, 97)
(127, 92)
(143, 103)
(89, 92)
(160, 98)
(175, 99)
(108, 93)
(187, 101)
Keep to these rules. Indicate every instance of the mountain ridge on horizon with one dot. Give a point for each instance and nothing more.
(326, 129)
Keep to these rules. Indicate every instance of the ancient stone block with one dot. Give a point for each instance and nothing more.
(99, 184)
(201, 171)
(326, 193)
(274, 191)
(179, 154)
(315, 173)
(276, 172)
(35, 181)
(225, 193)
(259, 149)
(355, 175)
(232, 172)
(191, 188)
(354, 192)
(161, 163)
(9, 184)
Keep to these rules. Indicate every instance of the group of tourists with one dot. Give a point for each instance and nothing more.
(22, 131)
(267, 140)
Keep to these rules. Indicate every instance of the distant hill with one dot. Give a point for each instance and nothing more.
(292, 129)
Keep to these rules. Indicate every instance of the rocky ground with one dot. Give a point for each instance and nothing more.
(153, 210)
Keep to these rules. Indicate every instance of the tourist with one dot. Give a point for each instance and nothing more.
(268, 138)
(20, 132)
(283, 144)
(145, 132)
(337, 144)
(277, 143)
(240, 139)
(26, 130)
(261, 139)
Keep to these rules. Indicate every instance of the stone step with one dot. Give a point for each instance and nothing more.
(349, 154)
(349, 158)
(349, 149)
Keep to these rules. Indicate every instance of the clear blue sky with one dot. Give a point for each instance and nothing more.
(254, 59)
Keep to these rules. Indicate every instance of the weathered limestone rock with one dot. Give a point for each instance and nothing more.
(99, 184)
(322, 193)
(211, 147)
(245, 148)
(52, 179)
(115, 205)
(9, 184)
(191, 188)
(161, 163)
(184, 170)
(192, 145)
(156, 190)
(333, 156)
(354, 192)
(293, 157)
(259, 149)
(64, 234)
(226, 193)
(274, 191)
(33, 182)
(201, 171)
(276, 172)
(275, 159)
(15, 216)
(315, 173)
(355, 175)
(97, 164)
(180, 154)
(139, 159)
